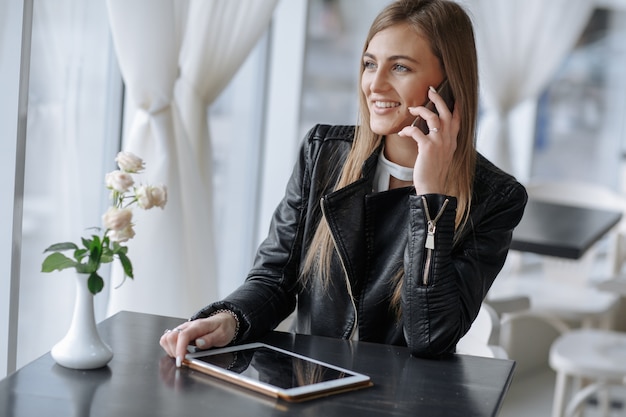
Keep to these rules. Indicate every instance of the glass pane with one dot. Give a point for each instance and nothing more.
(69, 120)
(236, 126)
(336, 32)
(579, 128)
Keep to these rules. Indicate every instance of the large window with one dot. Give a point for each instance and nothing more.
(10, 41)
(579, 128)
(580, 124)
(74, 107)
(335, 37)
(74, 127)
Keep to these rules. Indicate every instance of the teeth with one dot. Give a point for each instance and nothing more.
(386, 104)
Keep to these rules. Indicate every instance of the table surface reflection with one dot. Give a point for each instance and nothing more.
(561, 230)
(142, 381)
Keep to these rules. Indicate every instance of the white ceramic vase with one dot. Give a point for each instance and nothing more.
(82, 347)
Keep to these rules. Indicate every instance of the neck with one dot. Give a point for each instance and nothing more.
(401, 150)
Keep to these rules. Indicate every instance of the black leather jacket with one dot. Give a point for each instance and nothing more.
(376, 235)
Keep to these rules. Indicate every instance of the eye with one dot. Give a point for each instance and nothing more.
(400, 68)
(369, 64)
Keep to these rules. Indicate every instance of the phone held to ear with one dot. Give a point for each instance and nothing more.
(445, 92)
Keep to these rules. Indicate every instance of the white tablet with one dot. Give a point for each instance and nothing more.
(276, 372)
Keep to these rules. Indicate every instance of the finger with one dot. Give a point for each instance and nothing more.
(432, 119)
(167, 342)
(169, 339)
(217, 338)
(439, 102)
(184, 337)
(412, 130)
(163, 342)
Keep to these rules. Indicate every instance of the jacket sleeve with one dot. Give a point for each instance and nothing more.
(268, 294)
(439, 309)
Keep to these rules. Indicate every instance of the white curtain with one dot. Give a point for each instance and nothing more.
(175, 58)
(520, 46)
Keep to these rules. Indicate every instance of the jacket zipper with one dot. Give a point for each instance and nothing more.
(345, 274)
(430, 236)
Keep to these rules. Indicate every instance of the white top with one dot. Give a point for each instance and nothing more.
(386, 169)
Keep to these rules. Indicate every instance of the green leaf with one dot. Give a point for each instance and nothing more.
(95, 243)
(86, 242)
(106, 258)
(57, 261)
(117, 248)
(126, 264)
(61, 247)
(80, 254)
(95, 253)
(95, 283)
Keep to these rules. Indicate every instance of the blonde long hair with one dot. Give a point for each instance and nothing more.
(449, 32)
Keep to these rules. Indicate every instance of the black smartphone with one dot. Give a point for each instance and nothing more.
(445, 92)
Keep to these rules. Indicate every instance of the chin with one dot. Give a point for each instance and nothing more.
(384, 129)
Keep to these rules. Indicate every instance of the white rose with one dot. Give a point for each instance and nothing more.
(129, 162)
(119, 181)
(144, 198)
(149, 196)
(123, 235)
(117, 219)
(159, 195)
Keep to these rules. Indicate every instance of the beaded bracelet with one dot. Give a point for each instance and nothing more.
(234, 315)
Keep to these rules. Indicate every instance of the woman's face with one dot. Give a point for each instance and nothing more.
(398, 68)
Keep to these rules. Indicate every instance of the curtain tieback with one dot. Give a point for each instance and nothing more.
(146, 114)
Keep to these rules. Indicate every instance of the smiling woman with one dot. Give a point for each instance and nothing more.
(403, 262)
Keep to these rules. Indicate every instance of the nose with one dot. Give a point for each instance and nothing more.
(378, 81)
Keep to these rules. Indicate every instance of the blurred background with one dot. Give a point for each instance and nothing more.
(77, 88)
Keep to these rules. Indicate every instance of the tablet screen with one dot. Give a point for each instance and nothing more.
(274, 367)
(275, 371)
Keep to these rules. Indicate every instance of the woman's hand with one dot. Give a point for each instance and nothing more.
(215, 331)
(436, 149)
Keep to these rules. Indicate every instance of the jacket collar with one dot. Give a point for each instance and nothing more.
(347, 230)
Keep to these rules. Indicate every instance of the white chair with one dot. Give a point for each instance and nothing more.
(527, 336)
(593, 355)
(564, 287)
(482, 337)
(616, 285)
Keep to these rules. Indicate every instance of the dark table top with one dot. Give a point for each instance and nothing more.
(561, 230)
(142, 381)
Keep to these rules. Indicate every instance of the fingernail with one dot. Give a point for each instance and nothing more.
(200, 342)
(179, 361)
(431, 88)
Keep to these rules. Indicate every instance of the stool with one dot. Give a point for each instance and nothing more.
(594, 355)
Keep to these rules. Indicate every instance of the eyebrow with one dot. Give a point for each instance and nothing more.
(392, 57)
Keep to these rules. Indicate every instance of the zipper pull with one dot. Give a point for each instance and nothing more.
(430, 236)
(432, 224)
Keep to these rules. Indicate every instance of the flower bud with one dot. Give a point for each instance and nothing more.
(129, 162)
(119, 181)
(117, 219)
